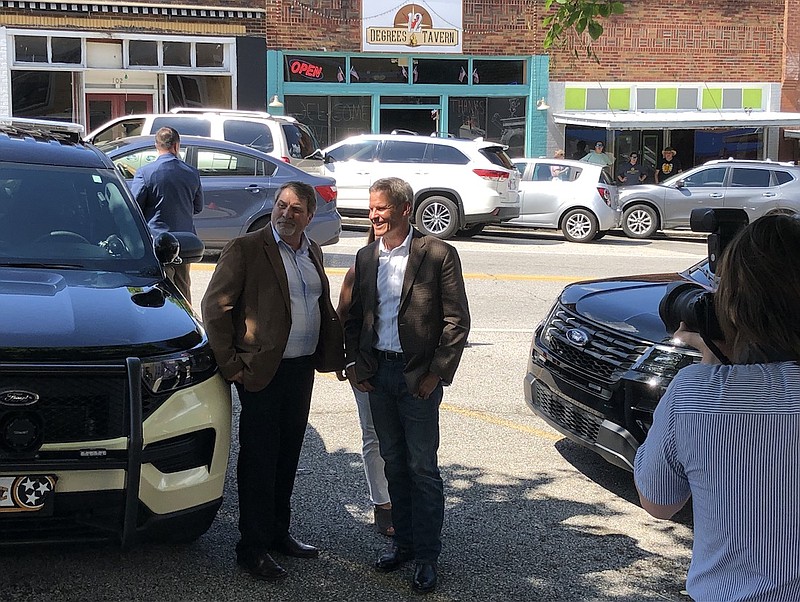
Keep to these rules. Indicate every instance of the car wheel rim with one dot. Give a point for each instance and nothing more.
(579, 226)
(436, 218)
(639, 222)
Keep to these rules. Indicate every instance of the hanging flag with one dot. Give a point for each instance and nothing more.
(354, 73)
(405, 73)
(475, 78)
(462, 75)
(416, 74)
(340, 75)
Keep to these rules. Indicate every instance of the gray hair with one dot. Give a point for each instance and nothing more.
(397, 190)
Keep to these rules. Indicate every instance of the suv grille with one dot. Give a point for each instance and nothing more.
(605, 353)
(563, 413)
(72, 405)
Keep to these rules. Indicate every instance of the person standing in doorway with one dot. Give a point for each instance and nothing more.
(405, 333)
(668, 165)
(599, 156)
(169, 193)
(580, 150)
(632, 172)
(271, 323)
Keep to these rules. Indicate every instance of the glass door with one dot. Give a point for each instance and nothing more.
(409, 114)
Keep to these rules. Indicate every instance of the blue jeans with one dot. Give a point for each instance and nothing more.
(408, 432)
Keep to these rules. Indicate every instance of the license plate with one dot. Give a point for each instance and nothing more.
(30, 493)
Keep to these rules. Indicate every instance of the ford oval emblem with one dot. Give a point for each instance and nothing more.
(578, 337)
(18, 398)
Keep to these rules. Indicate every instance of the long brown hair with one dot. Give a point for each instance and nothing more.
(758, 296)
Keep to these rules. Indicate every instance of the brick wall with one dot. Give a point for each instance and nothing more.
(666, 40)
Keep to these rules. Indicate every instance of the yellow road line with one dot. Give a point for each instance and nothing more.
(486, 417)
(207, 267)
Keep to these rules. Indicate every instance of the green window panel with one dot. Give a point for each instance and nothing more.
(575, 99)
(712, 98)
(667, 98)
(619, 99)
(751, 98)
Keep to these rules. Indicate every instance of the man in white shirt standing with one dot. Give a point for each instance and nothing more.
(405, 332)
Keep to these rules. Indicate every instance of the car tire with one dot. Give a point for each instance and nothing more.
(579, 225)
(471, 231)
(639, 221)
(437, 216)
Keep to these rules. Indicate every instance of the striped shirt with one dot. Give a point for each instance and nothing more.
(305, 289)
(730, 436)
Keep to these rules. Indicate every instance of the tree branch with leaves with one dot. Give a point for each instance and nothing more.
(579, 17)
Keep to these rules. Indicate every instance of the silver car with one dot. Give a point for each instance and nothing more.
(758, 187)
(577, 198)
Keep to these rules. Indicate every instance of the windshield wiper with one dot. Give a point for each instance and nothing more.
(31, 264)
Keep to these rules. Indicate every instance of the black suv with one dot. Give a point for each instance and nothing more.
(602, 358)
(114, 420)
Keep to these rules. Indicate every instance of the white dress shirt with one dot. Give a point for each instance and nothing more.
(391, 272)
(305, 289)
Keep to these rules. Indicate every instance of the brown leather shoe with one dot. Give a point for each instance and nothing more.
(289, 546)
(260, 565)
(393, 558)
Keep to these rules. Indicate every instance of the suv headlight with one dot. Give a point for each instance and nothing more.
(663, 361)
(172, 372)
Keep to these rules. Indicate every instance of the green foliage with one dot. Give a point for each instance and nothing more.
(580, 17)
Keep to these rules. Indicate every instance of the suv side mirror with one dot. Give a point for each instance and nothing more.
(680, 184)
(169, 246)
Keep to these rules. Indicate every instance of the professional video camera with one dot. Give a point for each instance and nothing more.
(689, 302)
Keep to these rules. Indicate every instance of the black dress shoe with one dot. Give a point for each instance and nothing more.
(393, 558)
(289, 546)
(260, 565)
(424, 577)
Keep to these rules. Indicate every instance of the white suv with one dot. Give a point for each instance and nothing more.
(281, 137)
(459, 185)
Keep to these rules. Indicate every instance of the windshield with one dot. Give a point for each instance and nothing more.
(70, 217)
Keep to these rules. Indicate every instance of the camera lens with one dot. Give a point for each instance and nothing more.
(691, 304)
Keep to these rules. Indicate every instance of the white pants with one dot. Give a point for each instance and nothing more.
(370, 452)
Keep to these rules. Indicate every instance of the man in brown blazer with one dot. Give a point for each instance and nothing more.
(405, 333)
(270, 322)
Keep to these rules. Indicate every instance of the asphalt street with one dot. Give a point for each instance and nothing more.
(529, 515)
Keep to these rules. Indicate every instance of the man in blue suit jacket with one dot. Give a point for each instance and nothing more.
(169, 194)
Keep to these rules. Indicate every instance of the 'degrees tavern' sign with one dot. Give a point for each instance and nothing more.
(428, 26)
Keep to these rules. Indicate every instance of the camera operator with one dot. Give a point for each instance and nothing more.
(729, 435)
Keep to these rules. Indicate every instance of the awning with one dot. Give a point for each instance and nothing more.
(791, 133)
(685, 120)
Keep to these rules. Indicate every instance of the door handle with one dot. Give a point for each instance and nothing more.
(715, 195)
(254, 188)
(769, 194)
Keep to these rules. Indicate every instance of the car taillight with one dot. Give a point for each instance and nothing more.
(605, 194)
(492, 175)
(328, 193)
(286, 159)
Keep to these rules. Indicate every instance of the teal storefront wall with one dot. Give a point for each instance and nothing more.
(537, 78)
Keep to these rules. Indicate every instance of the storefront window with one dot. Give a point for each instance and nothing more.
(332, 118)
(42, 94)
(441, 71)
(178, 54)
(66, 50)
(497, 119)
(143, 53)
(30, 49)
(197, 91)
(377, 71)
(498, 72)
(580, 141)
(209, 55)
(741, 143)
(314, 69)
